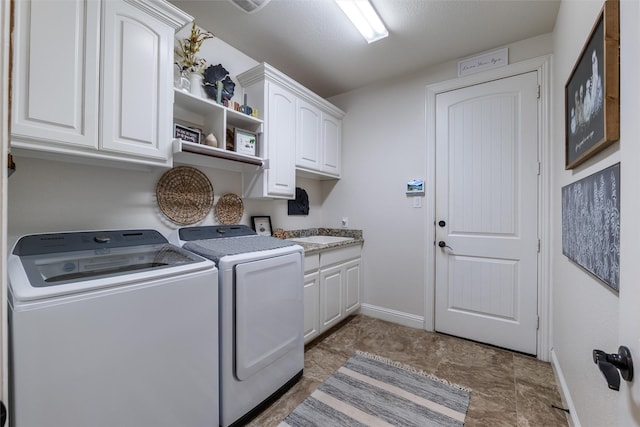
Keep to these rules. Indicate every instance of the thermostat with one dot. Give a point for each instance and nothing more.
(415, 187)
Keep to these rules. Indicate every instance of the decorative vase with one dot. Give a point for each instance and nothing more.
(211, 140)
(195, 80)
(181, 81)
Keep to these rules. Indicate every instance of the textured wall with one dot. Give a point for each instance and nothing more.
(585, 310)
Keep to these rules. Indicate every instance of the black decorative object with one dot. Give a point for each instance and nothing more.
(299, 206)
(591, 224)
(214, 74)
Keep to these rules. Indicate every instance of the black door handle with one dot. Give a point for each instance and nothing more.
(442, 223)
(443, 244)
(610, 364)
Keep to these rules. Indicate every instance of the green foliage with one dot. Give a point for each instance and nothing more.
(188, 48)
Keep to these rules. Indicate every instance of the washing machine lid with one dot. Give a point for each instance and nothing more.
(82, 260)
(217, 241)
(208, 232)
(215, 249)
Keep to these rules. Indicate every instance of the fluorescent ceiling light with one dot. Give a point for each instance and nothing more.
(366, 20)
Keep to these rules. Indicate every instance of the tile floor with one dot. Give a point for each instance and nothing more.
(509, 389)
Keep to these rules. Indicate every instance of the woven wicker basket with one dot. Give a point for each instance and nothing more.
(229, 209)
(185, 195)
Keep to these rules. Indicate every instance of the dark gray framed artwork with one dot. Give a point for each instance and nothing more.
(592, 93)
(591, 224)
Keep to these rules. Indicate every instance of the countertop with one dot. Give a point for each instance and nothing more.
(310, 248)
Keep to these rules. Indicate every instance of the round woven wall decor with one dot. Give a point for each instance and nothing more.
(185, 195)
(229, 209)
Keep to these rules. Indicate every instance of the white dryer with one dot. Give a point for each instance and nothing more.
(261, 321)
(111, 328)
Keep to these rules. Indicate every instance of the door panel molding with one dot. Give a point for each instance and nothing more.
(542, 65)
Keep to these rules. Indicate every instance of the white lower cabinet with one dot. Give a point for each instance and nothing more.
(331, 296)
(351, 286)
(311, 306)
(311, 297)
(332, 286)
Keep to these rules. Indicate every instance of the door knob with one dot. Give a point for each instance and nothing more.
(610, 364)
(442, 223)
(443, 244)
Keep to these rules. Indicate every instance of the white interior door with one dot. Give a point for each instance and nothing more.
(487, 212)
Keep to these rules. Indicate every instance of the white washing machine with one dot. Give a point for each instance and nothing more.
(111, 328)
(261, 314)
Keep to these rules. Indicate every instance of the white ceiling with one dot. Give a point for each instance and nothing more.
(313, 42)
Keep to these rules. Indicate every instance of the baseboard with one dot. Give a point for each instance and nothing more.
(564, 391)
(399, 317)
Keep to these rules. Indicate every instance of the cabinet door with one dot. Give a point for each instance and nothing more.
(352, 286)
(311, 306)
(55, 74)
(280, 134)
(137, 87)
(331, 144)
(308, 144)
(331, 294)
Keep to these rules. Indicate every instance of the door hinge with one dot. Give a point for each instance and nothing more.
(538, 93)
(539, 244)
(539, 168)
(538, 324)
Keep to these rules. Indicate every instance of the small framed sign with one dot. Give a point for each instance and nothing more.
(245, 142)
(486, 61)
(262, 225)
(186, 134)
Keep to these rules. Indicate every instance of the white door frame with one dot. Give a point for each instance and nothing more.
(543, 66)
(5, 42)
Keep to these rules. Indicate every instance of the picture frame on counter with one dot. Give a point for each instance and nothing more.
(186, 133)
(592, 92)
(245, 142)
(261, 225)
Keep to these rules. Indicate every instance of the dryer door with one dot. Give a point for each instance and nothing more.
(269, 311)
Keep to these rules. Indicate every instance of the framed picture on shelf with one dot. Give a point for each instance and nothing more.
(245, 142)
(592, 93)
(262, 225)
(186, 133)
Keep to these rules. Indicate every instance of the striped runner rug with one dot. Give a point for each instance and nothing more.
(370, 390)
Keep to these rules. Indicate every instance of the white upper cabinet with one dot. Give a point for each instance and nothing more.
(331, 145)
(280, 134)
(318, 140)
(94, 79)
(137, 82)
(56, 74)
(309, 136)
(270, 91)
(302, 132)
